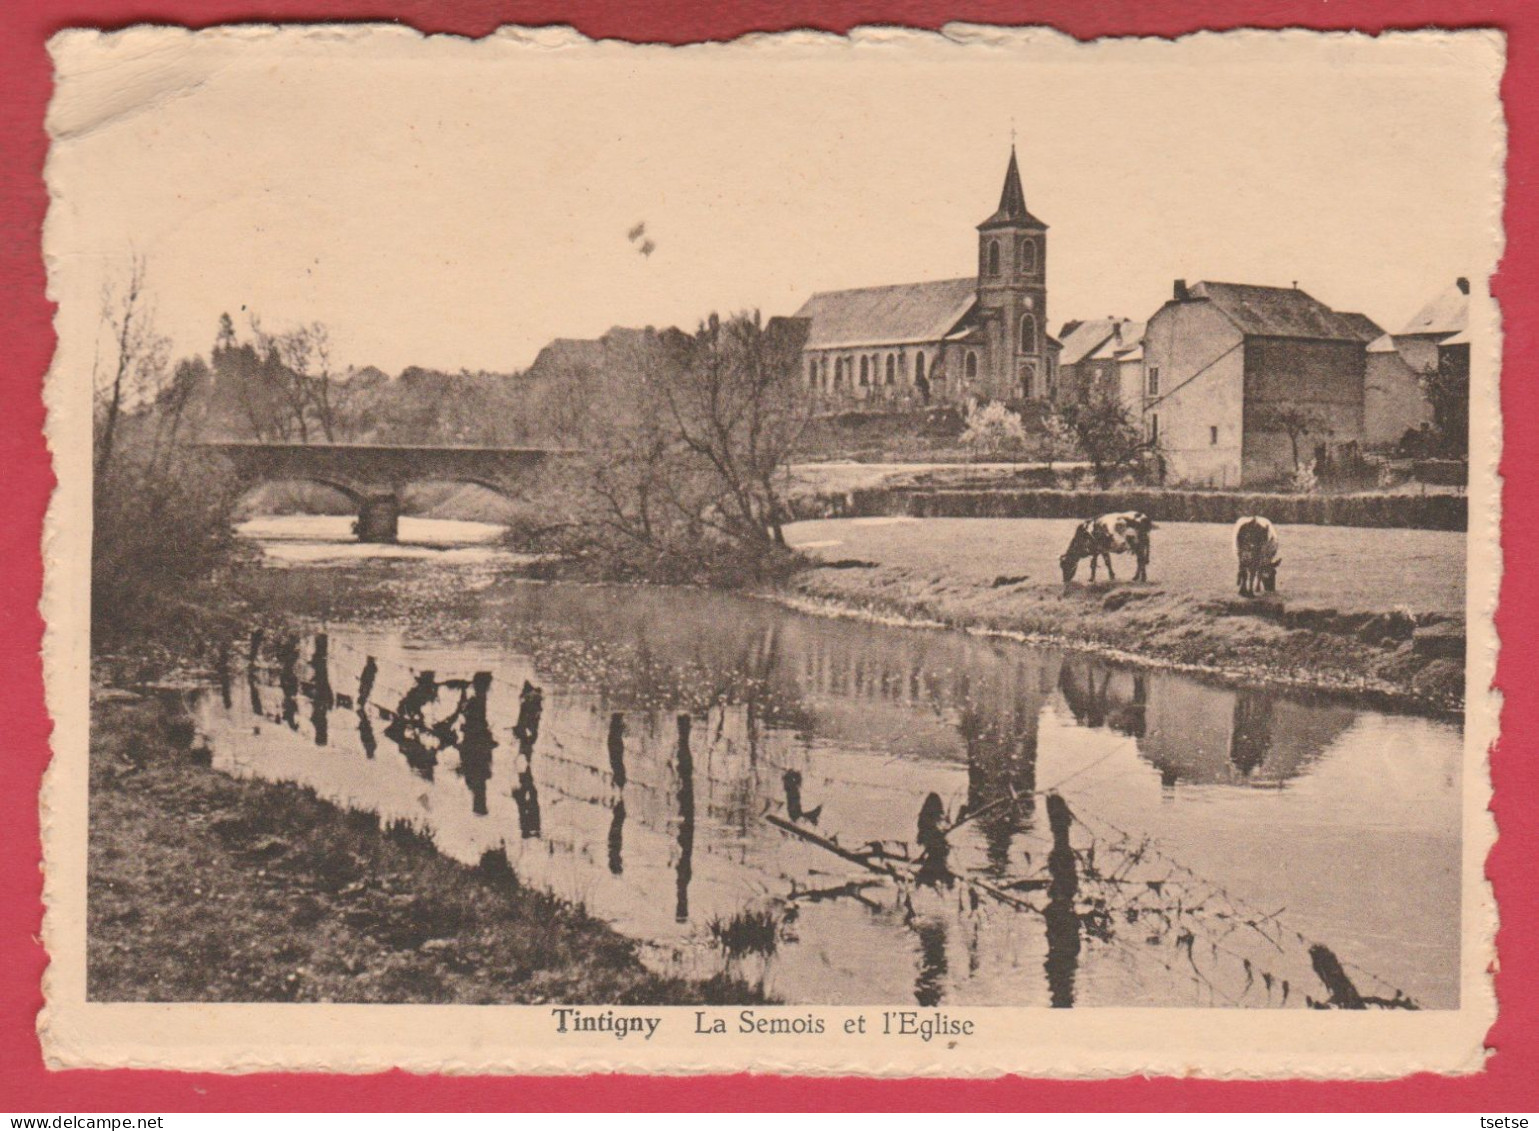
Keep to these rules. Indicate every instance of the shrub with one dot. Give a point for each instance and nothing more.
(993, 430)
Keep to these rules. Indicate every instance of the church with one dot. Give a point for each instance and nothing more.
(951, 340)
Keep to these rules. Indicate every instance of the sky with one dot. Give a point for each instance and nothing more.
(454, 205)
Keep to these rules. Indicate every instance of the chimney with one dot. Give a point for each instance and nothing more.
(1182, 294)
(1463, 284)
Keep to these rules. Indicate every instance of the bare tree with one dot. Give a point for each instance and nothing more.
(735, 404)
(137, 368)
(305, 352)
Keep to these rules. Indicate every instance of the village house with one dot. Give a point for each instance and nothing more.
(1237, 377)
(1399, 363)
(982, 337)
(1102, 357)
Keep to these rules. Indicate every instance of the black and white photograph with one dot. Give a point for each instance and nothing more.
(907, 552)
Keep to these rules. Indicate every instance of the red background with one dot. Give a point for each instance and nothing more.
(1511, 1079)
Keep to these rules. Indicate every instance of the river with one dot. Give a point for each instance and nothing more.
(1218, 834)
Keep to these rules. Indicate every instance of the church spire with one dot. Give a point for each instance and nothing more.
(1012, 201)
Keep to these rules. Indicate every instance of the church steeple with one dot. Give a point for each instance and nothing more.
(1012, 211)
(1012, 296)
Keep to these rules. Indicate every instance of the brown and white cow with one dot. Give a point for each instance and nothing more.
(1256, 549)
(1126, 532)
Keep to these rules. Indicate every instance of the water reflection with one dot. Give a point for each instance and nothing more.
(673, 722)
(288, 679)
(930, 985)
(1061, 915)
(366, 737)
(684, 764)
(526, 796)
(617, 839)
(321, 697)
(1200, 734)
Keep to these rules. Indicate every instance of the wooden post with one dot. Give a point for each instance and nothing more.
(617, 749)
(1344, 994)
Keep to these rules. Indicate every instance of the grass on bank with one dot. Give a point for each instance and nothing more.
(1348, 604)
(204, 887)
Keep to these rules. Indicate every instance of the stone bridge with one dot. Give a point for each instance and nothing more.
(374, 475)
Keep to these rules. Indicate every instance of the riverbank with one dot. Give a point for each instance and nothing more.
(205, 887)
(1375, 615)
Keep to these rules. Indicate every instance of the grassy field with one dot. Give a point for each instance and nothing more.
(1374, 613)
(203, 887)
(1345, 568)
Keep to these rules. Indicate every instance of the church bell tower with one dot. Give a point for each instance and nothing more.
(1012, 296)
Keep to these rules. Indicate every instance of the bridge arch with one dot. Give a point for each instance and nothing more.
(372, 477)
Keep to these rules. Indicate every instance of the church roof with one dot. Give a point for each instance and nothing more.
(908, 313)
(1283, 312)
(1447, 313)
(1012, 202)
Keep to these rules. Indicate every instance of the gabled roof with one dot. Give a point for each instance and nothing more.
(908, 313)
(1100, 339)
(1117, 348)
(1012, 202)
(1280, 312)
(1447, 313)
(1081, 339)
(1367, 328)
(1384, 343)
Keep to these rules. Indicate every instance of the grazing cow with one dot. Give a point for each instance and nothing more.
(1255, 546)
(1099, 538)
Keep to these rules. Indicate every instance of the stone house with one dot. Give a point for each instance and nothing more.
(1398, 364)
(1231, 370)
(1102, 356)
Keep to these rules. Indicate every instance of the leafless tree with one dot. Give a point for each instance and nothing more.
(136, 369)
(305, 352)
(735, 405)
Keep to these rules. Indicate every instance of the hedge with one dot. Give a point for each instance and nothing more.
(1416, 512)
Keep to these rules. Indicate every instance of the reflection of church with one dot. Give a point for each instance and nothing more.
(913, 343)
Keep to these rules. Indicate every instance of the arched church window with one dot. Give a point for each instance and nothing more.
(1028, 334)
(865, 371)
(970, 367)
(993, 257)
(892, 369)
(1026, 256)
(812, 372)
(918, 367)
(838, 371)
